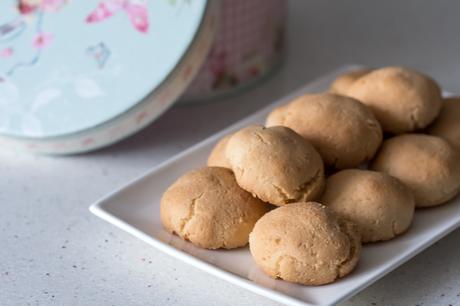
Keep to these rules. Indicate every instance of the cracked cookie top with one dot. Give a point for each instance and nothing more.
(344, 131)
(428, 165)
(276, 164)
(403, 100)
(305, 243)
(343, 82)
(379, 204)
(207, 207)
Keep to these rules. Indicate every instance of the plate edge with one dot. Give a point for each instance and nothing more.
(97, 207)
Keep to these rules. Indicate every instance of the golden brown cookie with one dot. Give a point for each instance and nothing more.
(447, 125)
(343, 82)
(343, 130)
(276, 164)
(217, 157)
(380, 205)
(428, 165)
(402, 99)
(305, 243)
(208, 208)
(277, 114)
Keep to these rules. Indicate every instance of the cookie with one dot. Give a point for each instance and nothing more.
(305, 243)
(343, 130)
(380, 205)
(428, 165)
(276, 164)
(217, 157)
(344, 81)
(208, 208)
(277, 114)
(402, 99)
(447, 125)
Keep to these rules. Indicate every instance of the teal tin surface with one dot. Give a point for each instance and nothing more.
(78, 75)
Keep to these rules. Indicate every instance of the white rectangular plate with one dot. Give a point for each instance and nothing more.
(135, 209)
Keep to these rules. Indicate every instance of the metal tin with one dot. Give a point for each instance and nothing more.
(79, 75)
(247, 47)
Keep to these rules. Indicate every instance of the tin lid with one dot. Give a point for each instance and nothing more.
(67, 67)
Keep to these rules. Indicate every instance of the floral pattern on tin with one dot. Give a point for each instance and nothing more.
(222, 77)
(136, 10)
(30, 17)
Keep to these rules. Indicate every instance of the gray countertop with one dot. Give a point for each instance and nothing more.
(54, 252)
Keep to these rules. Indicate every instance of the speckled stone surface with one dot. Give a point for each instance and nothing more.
(54, 252)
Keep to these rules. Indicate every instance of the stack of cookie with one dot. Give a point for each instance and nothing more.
(328, 172)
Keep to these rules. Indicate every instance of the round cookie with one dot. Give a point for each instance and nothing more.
(217, 156)
(208, 208)
(343, 130)
(305, 243)
(447, 125)
(277, 114)
(428, 165)
(344, 81)
(380, 205)
(276, 164)
(403, 100)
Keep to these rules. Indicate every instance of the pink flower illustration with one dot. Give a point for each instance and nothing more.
(28, 7)
(52, 5)
(102, 12)
(42, 40)
(7, 52)
(217, 62)
(137, 12)
(223, 77)
(139, 16)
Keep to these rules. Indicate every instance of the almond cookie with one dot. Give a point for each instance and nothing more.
(208, 208)
(217, 157)
(402, 99)
(380, 205)
(344, 81)
(305, 243)
(447, 125)
(428, 165)
(343, 130)
(276, 164)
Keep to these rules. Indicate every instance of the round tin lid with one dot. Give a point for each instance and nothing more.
(69, 66)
